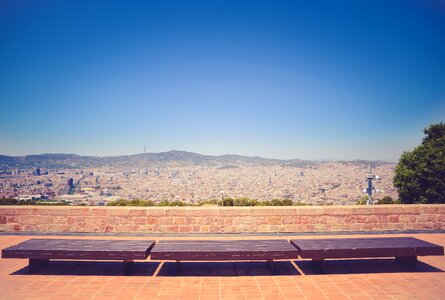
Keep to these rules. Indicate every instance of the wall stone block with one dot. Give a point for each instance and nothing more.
(222, 219)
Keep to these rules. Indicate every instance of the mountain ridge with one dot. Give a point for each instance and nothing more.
(62, 160)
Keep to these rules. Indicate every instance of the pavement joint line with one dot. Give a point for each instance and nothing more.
(259, 287)
(121, 288)
(200, 288)
(139, 291)
(160, 288)
(318, 287)
(298, 287)
(281, 292)
(97, 291)
(180, 287)
(298, 268)
(158, 269)
(365, 292)
(220, 288)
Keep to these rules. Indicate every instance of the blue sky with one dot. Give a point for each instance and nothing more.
(280, 79)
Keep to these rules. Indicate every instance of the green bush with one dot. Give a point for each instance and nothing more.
(179, 203)
(122, 202)
(173, 203)
(227, 202)
(242, 201)
(7, 201)
(385, 200)
(245, 202)
(212, 202)
(282, 202)
(362, 200)
(388, 200)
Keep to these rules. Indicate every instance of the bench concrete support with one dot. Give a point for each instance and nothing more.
(35, 264)
(128, 266)
(407, 260)
(318, 264)
(178, 266)
(270, 266)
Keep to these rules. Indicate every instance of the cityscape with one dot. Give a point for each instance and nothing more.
(192, 178)
(222, 150)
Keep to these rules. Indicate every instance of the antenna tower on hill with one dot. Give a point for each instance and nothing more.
(369, 178)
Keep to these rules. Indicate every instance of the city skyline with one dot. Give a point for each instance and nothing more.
(181, 152)
(290, 80)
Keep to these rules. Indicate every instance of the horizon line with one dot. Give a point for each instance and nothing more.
(227, 154)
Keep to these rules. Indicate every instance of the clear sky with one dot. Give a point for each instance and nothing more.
(279, 79)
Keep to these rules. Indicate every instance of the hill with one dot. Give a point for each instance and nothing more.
(56, 161)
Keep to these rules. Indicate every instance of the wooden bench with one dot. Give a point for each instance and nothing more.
(223, 250)
(40, 251)
(404, 249)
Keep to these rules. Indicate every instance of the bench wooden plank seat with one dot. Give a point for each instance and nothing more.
(232, 250)
(224, 250)
(404, 249)
(40, 251)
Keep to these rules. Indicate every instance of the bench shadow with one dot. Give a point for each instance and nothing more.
(208, 269)
(363, 266)
(91, 268)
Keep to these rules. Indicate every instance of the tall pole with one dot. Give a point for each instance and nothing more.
(369, 178)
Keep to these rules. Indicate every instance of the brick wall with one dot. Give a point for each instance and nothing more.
(222, 219)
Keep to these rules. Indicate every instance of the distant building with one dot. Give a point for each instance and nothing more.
(29, 197)
(106, 193)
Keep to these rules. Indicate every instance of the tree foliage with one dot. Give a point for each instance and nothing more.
(387, 200)
(9, 201)
(242, 201)
(362, 200)
(123, 202)
(420, 174)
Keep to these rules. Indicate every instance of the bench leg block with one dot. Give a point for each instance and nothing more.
(178, 267)
(407, 260)
(270, 266)
(35, 264)
(318, 264)
(128, 266)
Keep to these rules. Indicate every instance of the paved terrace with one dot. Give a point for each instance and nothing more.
(343, 279)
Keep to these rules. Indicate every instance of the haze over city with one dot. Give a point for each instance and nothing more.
(309, 80)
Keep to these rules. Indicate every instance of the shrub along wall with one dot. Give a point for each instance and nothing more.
(222, 219)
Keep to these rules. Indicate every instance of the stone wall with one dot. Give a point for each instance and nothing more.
(222, 219)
